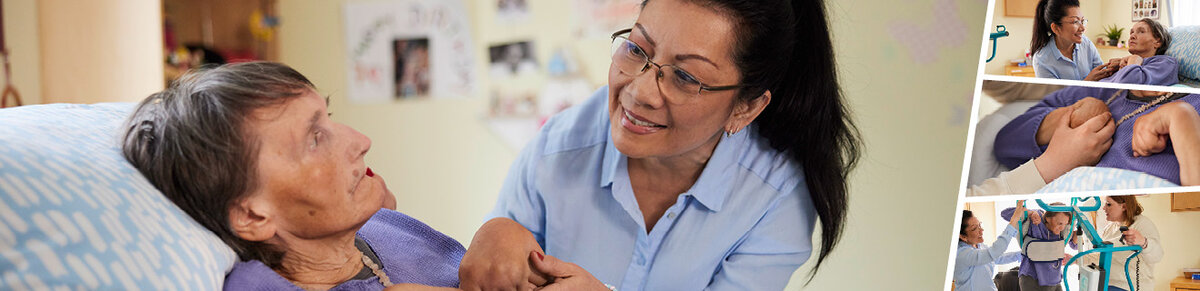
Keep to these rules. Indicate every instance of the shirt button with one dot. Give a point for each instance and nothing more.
(641, 260)
(671, 215)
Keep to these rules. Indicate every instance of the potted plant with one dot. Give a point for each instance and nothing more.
(1113, 33)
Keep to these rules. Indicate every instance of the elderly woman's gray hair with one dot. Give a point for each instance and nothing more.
(191, 142)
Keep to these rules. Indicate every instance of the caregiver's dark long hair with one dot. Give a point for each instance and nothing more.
(784, 46)
(1048, 12)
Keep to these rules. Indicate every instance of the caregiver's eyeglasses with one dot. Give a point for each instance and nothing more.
(632, 60)
(1078, 21)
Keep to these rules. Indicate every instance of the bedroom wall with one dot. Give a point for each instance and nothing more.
(21, 33)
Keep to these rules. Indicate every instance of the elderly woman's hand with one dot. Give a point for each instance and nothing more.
(498, 259)
(1078, 113)
(567, 276)
(1178, 123)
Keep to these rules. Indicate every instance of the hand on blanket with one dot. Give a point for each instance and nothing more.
(567, 276)
(1075, 147)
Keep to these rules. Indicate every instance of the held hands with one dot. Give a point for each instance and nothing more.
(1075, 147)
(567, 276)
(1101, 72)
(498, 259)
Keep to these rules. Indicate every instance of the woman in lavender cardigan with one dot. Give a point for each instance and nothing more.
(248, 150)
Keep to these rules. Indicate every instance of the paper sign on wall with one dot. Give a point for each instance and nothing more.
(408, 49)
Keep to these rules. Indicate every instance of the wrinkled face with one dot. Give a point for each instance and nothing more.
(649, 122)
(311, 171)
(1070, 28)
(974, 232)
(1113, 211)
(1058, 223)
(1142, 41)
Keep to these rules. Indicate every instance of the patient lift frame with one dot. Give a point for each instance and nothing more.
(1105, 249)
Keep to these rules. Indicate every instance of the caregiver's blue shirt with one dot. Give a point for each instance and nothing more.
(1048, 62)
(746, 224)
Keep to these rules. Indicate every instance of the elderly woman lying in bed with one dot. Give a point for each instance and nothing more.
(248, 150)
(1157, 133)
(1147, 63)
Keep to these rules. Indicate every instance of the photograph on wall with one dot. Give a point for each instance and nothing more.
(1145, 9)
(411, 59)
(509, 60)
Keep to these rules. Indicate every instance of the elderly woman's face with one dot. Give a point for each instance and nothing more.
(1142, 41)
(647, 121)
(1058, 222)
(311, 172)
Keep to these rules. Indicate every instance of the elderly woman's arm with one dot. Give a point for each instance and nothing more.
(1157, 70)
(1178, 123)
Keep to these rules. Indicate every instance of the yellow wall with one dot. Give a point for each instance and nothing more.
(100, 50)
(20, 30)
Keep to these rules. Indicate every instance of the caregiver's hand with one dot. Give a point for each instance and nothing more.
(1076, 147)
(1078, 113)
(1017, 213)
(1100, 72)
(567, 276)
(498, 258)
(1178, 123)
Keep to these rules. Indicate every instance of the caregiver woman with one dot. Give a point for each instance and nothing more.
(720, 141)
(1060, 49)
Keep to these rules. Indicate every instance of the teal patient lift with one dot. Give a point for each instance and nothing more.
(1001, 31)
(1105, 249)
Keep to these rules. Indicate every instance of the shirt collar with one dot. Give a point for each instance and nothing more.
(1058, 54)
(716, 180)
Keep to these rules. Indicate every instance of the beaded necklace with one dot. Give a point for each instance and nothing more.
(1155, 102)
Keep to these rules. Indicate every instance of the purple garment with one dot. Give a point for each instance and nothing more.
(1016, 143)
(1047, 273)
(411, 252)
(1156, 70)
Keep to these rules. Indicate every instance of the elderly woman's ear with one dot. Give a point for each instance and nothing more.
(250, 220)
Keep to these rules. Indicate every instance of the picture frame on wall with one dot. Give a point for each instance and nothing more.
(1145, 9)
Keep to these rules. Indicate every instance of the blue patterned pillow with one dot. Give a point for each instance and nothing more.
(75, 214)
(1185, 48)
(1084, 179)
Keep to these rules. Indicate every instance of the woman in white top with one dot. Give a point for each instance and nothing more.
(1125, 211)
